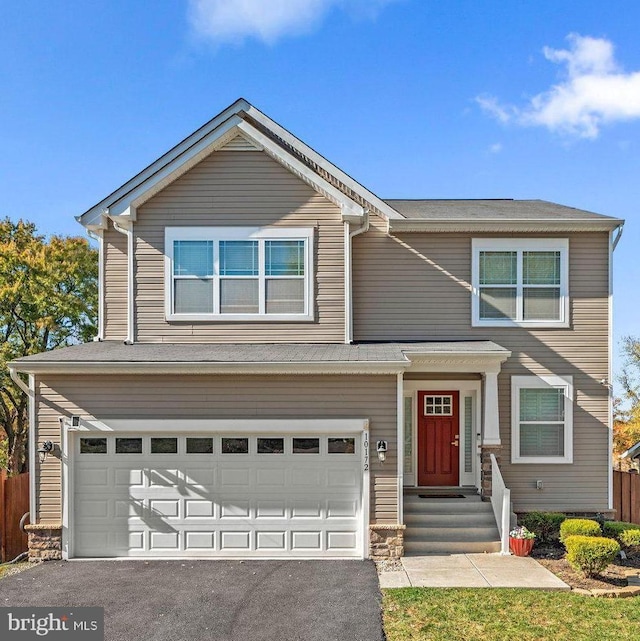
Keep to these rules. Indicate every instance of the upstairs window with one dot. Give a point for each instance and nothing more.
(519, 282)
(239, 273)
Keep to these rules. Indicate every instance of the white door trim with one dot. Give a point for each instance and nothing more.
(464, 387)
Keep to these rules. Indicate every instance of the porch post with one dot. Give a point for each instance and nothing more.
(491, 434)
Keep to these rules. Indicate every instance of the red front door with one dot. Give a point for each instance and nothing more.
(438, 438)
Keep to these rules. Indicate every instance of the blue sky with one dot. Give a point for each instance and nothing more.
(414, 98)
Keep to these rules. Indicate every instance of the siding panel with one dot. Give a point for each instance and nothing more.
(115, 284)
(417, 287)
(110, 397)
(239, 188)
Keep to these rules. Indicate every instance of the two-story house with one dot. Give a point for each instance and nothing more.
(287, 363)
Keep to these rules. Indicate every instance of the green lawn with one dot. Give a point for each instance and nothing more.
(429, 614)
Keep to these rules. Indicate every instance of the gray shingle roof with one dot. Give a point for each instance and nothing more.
(492, 210)
(118, 352)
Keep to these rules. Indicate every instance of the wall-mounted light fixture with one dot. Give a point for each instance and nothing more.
(382, 451)
(46, 447)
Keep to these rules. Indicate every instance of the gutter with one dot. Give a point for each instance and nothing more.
(128, 232)
(496, 226)
(18, 381)
(348, 274)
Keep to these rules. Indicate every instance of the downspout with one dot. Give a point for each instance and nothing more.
(348, 272)
(128, 232)
(98, 238)
(613, 243)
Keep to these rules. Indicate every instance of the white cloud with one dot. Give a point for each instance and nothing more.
(594, 91)
(268, 20)
(496, 148)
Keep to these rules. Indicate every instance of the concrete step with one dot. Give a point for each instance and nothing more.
(450, 547)
(446, 507)
(426, 519)
(415, 534)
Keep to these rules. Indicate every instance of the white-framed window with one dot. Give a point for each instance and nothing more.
(239, 273)
(542, 419)
(520, 282)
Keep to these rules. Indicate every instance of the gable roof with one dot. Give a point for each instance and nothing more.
(240, 118)
(264, 134)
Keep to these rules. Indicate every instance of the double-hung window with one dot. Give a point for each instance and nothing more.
(520, 282)
(542, 419)
(239, 273)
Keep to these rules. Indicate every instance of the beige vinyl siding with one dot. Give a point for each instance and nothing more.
(417, 287)
(115, 284)
(105, 397)
(239, 188)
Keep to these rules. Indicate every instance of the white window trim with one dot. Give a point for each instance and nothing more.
(559, 382)
(520, 245)
(217, 234)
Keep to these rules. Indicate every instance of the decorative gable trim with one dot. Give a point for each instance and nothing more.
(241, 143)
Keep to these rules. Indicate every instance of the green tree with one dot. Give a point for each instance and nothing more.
(48, 299)
(626, 426)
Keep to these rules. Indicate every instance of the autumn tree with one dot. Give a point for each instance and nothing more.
(626, 425)
(48, 299)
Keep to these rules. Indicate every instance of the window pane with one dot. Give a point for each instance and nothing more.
(284, 257)
(239, 296)
(541, 303)
(238, 257)
(342, 445)
(541, 268)
(128, 446)
(235, 445)
(285, 296)
(542, 440)
(164, 446)
(498, 268)
(408, 434)
(498, 303)
(270, 446)
(193, 296)
(468, 434)
(545, 404)
(93, 446)
(199, 446)
(193, 257)
(306, 445)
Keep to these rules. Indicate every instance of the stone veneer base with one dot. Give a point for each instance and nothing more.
(386, 541)
(45, 541)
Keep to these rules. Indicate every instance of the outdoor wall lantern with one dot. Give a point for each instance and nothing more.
(382, 451)
(46, 447)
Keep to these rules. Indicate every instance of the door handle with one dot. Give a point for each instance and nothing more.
(456, 443)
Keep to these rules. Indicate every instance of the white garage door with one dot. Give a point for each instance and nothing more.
(218, 495)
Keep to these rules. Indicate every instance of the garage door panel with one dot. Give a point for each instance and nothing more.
(214, 504)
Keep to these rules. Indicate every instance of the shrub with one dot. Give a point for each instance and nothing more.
(630, 539)
(615, 529)
(545, 525)
(590, 554)
(579, 527)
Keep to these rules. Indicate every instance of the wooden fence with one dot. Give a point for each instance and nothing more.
(14, 502)
(626, 496)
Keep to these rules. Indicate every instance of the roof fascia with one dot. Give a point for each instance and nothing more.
(386, 209)
(468, 361)
(92, 216)
(316, 367)
(519, 226)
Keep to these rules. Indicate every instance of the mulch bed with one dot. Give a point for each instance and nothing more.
(551, 557)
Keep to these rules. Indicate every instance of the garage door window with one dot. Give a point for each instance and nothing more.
(128, 446)
(270, 446)
(342, 446)
(306, 445)
(93, 446)
(199, 446)
(164, 446)
(235, 445)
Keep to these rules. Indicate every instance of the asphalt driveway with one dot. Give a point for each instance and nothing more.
(202, 600)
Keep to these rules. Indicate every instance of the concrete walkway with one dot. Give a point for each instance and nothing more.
(471, 571)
